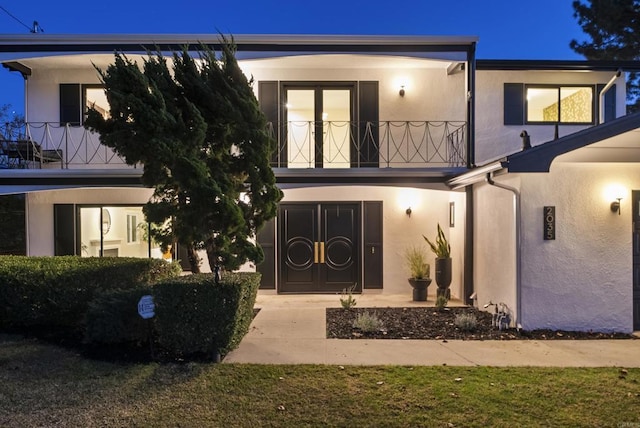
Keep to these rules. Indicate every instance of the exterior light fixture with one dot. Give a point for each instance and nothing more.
(615, 205)
(401, 91)
(408, 211)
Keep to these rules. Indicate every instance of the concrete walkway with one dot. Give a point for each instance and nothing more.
(291, 330)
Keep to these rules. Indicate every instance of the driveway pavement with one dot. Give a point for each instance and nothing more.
(291, 330)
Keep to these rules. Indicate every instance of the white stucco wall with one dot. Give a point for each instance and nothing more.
(494, 139)
(495, 244)
(399, 230)
(430, 94)
(582, 280)
(43, 90)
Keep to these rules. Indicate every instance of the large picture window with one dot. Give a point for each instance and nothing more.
(560, 104)
(544, 104)
(115, 231)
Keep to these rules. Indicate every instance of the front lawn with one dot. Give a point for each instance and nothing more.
(43, 385)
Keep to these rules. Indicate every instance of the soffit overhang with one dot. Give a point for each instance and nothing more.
(12, 180)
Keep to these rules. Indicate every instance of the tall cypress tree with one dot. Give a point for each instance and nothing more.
(614, 29)
(202, 139)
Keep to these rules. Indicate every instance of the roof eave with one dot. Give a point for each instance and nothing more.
(133, 42)
(539, 158)
(555, 65)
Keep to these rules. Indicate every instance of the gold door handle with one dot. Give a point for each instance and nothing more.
(322, 252)
(315, 252)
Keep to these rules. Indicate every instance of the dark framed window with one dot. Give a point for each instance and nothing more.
(76, 99)
(560, 104)
(345, 111)
(115, 230)
(556, 104)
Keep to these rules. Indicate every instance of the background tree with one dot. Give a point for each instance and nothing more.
(12, 207)
(200, 134)
(11, 124)
(614, 29)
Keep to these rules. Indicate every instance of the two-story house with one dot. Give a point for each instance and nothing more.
(380, 139)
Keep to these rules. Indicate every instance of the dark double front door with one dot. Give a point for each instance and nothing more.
(320, 247)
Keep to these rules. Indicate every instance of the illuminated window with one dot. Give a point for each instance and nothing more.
(95, 96)
(560, 104)
(132, 228)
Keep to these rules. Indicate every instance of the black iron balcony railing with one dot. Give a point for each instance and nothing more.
(301, 144)
(385, 144)
(55, 145)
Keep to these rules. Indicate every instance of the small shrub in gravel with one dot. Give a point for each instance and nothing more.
(347, 301)
(441, 302)
(367, 322)
(466, 321)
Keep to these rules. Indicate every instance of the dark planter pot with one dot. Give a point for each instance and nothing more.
(443, 276)
(420, 288)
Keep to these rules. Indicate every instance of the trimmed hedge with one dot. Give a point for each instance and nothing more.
(97, 298)
(113, 319)
(55, 292)
(194, 315)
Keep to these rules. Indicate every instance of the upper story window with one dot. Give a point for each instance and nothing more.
(95, 96)
(560, 104)
(76, 99)
(556, 104)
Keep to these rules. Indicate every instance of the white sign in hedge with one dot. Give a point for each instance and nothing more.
(146, 307)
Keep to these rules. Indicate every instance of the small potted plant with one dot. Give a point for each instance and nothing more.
(416, 260)
(442, 250)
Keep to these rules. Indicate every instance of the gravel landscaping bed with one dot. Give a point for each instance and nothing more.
(430, 323)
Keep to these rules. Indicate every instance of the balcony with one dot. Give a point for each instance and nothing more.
(39, 145)
(301, 145)
(386, 144)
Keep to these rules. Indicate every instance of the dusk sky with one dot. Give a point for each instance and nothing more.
(508, 29)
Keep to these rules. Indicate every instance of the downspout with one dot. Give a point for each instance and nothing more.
(26, 99)
(603, 93)
(471, 109)
(517, 215)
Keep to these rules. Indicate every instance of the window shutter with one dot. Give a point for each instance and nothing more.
(368, 126)
(373, 218)
(268, 99)
(64, 229)
(609, 103)
(514, 98)
(70, 100)
(267, 239)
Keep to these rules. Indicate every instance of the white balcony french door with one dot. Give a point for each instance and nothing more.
(319, 126)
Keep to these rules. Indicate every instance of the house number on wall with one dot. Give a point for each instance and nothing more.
(549, 228)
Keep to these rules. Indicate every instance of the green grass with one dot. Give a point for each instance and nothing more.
(42, 385)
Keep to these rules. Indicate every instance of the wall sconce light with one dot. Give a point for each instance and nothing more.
(615, 205)
(408, 211)
(401, 91)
